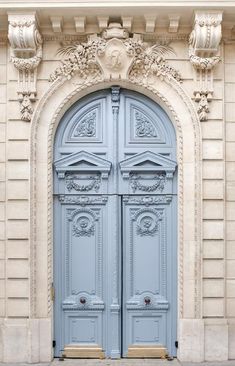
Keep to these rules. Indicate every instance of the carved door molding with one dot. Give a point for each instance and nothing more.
(115, 164)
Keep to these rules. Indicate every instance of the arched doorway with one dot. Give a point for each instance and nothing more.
(115, 228)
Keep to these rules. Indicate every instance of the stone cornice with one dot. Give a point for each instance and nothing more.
(115, 3)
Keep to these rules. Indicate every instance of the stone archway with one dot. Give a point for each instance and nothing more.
(162, 84)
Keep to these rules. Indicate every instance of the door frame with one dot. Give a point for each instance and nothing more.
(179, 106)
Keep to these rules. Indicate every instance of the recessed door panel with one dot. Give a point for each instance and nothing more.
(115, 228)
(146, 241)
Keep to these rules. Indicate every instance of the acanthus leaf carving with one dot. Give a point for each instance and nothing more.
(26, 54)
(83, 200)
(147, 200)
(86, 127)
(144, 127)
(104, 54)
(203, 54)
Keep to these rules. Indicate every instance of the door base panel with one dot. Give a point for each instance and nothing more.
(147, 352)
(83, 352)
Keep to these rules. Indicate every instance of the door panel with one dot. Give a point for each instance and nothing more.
(145, 245)
(82, 258)
(115, 228)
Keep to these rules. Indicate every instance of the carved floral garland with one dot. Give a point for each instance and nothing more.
(95, 184)
(158, 186)
(148, 61)
(80, 59)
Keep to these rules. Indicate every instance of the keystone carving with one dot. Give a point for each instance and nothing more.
(26, 54)
(114, 55)
(203, 54)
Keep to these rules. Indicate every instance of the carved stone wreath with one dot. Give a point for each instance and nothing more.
(147, 226)
(83, 226)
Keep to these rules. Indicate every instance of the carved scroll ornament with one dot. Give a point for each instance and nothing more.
(203, 54)
(26, 54)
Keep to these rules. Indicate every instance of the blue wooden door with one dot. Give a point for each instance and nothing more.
(115, 244)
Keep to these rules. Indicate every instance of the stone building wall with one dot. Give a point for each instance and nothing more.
(229, 117)
(26, 326)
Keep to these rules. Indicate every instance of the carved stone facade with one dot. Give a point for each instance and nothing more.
(204, 44)
(47, 63)
(26, 54)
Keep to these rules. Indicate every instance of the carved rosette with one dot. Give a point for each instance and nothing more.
(114, 55)
(83, 226)
(26, 54)
(203, 53)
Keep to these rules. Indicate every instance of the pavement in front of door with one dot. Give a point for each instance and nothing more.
(125, 362)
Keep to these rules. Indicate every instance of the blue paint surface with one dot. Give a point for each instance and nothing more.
(115, 224)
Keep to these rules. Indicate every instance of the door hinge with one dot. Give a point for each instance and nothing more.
(52, 292)
(176, 344)
(53, 343)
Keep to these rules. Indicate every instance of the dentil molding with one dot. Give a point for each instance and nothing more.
(204, 43)
(26, 54)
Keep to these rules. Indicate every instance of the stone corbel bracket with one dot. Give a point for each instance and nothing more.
(204, 43)
(26, 54)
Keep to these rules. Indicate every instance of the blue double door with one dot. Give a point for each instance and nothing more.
(115, 228)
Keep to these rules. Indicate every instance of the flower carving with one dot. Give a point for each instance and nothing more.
(83, 226)
(81, 59)
(159, 179)
(147, 226)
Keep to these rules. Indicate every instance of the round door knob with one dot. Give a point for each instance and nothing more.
(82, 300)
(147, 300)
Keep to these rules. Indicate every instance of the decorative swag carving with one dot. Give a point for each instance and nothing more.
(112, 55)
